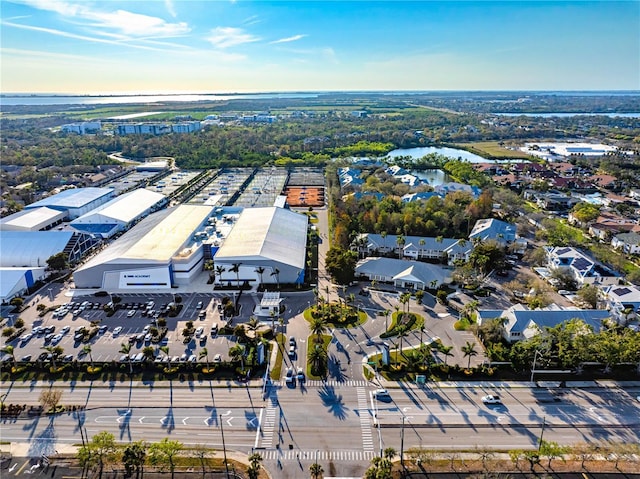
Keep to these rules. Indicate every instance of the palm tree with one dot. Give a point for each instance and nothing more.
(254, 465)
(276, 273)
(421, 332)
(446, 350)
(469, 350)
(317, 357)
(316, 470)
(253, 325)
(389, 453)
(204, 353)
(165, 350)
(148, 353)
(86, 349)
(125, 348)
(237, 353)
(386, 313)
(404, 299)
(219, 271)
(402, 333)
(235, 268)
(400, 241)
(55, 352)
(318, 326)
(10, 351)
(260, 270)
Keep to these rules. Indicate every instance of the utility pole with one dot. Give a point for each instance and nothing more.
(224, 448)
(544, 422)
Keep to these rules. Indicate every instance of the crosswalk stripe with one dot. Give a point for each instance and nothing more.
(335, 455)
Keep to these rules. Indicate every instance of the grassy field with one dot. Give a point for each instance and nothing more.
(492, 149)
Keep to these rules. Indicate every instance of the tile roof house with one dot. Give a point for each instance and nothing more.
(522, 323)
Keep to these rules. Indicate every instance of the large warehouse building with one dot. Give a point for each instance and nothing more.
(17, 281)
(34, 248)
(119, 213)
(34, 219)
(75, 201)
(157, 253)
(271, 238)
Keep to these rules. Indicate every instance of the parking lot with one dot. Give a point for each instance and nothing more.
(130, 321)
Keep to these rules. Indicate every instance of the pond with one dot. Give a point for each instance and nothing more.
(443, 150)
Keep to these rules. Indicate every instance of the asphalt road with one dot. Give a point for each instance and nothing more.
(336, 422)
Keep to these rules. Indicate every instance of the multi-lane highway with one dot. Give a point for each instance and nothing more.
(338, 422)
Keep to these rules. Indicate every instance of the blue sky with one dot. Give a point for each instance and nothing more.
(160, 46)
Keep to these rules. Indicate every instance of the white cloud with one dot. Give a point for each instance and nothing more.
(288, 39)
(170, 8)
(118, 21)
(62, 33)
(225, 37)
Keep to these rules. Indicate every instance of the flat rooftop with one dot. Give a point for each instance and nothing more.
(170, 235)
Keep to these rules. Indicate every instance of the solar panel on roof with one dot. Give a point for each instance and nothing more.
(581, 264)
(621, 291)
(563, 251)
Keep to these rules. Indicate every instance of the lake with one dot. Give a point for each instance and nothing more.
(454, 153)
(434, 177)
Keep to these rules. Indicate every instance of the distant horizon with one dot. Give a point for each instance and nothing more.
(134, 47)
(309, 92)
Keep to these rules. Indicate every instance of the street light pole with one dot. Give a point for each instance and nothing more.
(533, 368)
(402, 444)
(224, 448)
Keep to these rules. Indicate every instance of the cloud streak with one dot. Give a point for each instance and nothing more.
(75, 36)
(293, 38)
(226, 37)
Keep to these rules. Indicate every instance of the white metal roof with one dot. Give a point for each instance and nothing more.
(271, 233)
(72, 198)
(124, 208)
(156, 238)
(32, 219)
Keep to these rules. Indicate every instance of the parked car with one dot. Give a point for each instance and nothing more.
(25, 358)
(117, 330)
(199, 331)
(131, 313)
(300, 374)
(214, 330)
(217, 358)
(65, 330)
(292, 351)
(192, 358)
(68, 358)
(199, 305)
